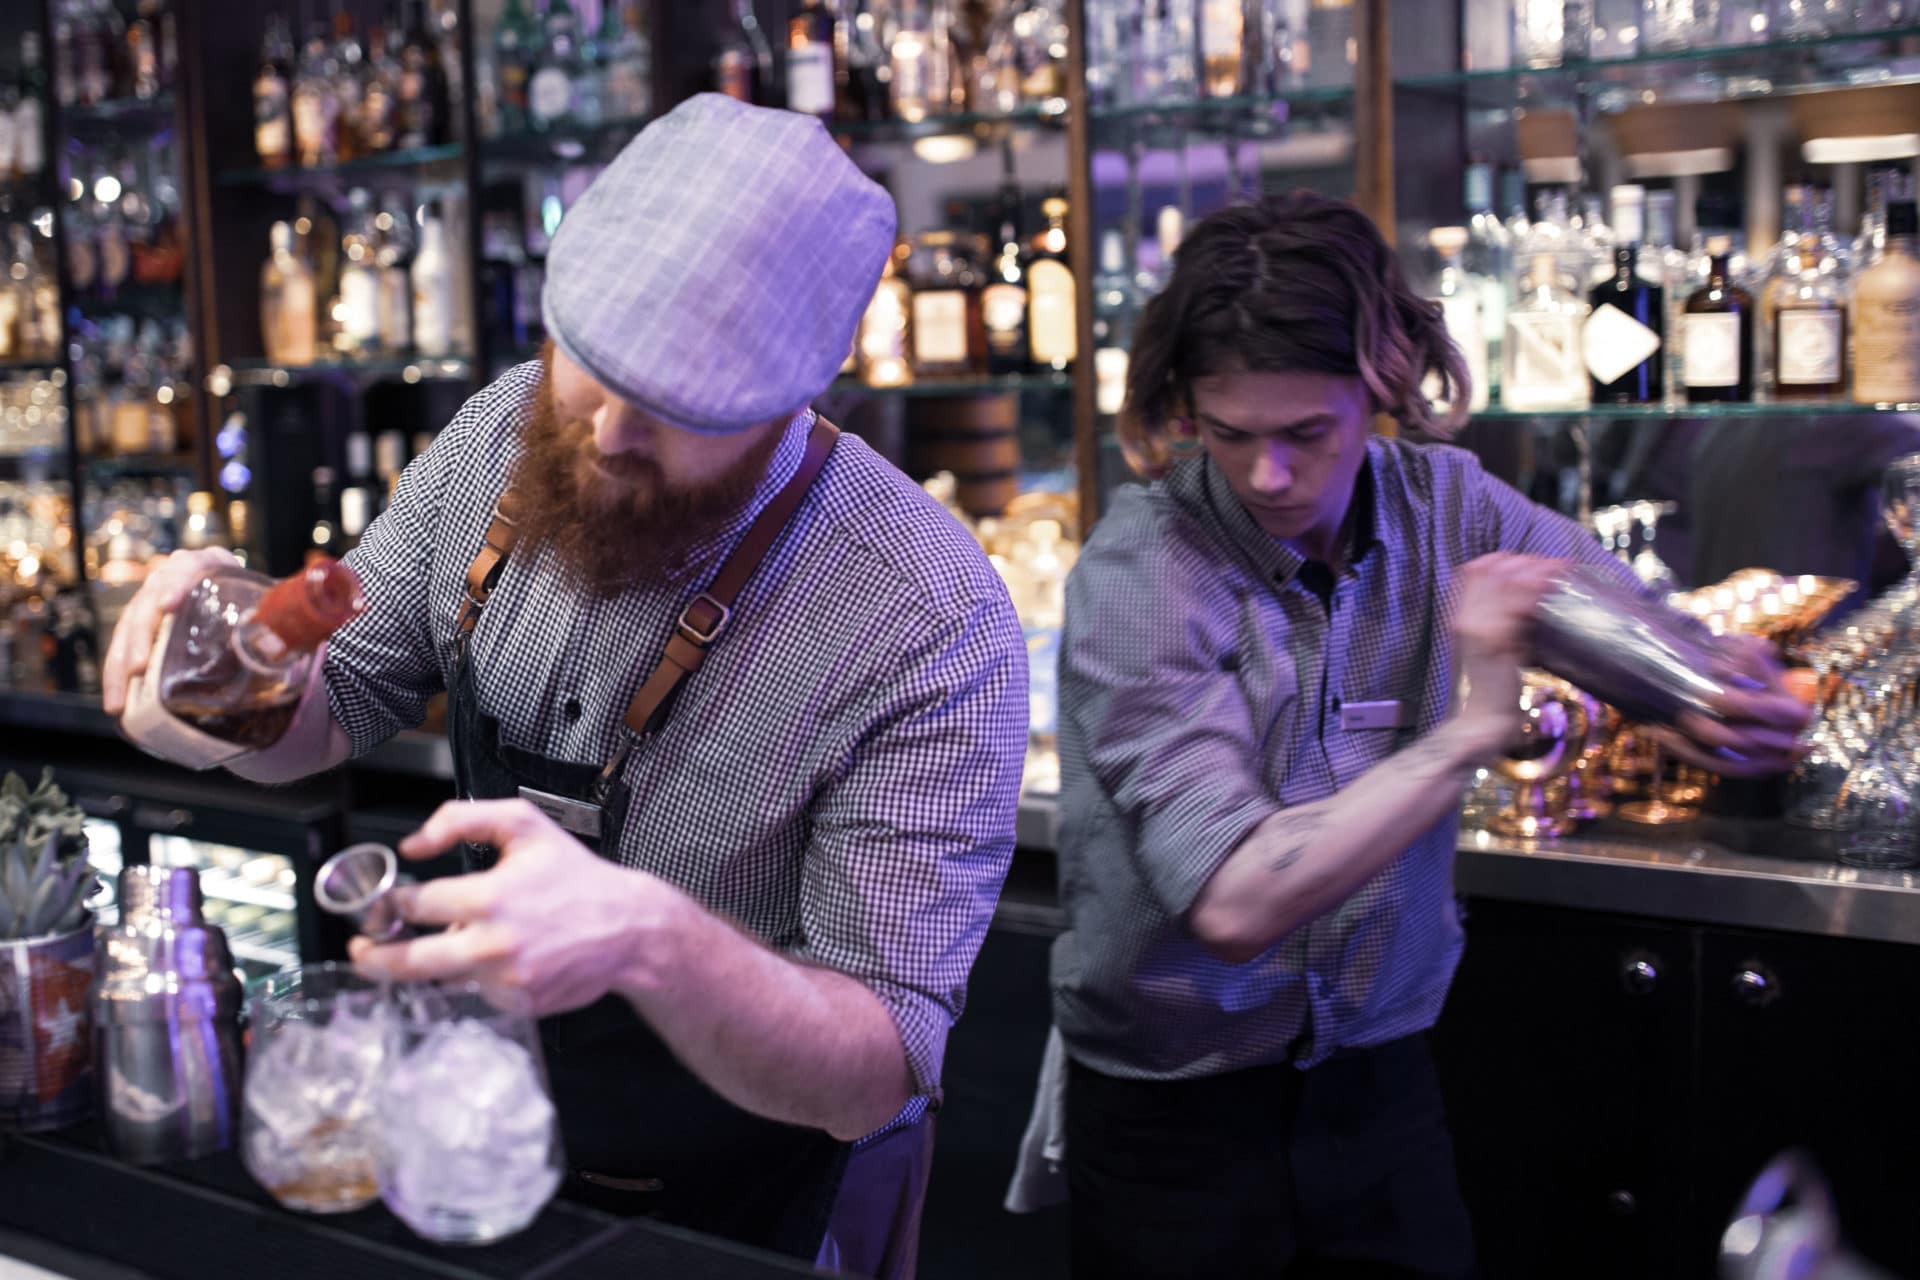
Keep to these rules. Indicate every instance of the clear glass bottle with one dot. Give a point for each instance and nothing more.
(316, 110)
(948, 330)
(743, 69)
(1547, 33)
(1052, 332)
(1222, 41)
(1886, 304)
(1545, 368)
(1808, 19)
(241, 649)
(289, 309)
(358, 309)
(1461, 296)
(349, 61)
(1330, 43)
(1489, 257)
(433, 302)
(550, 89)
(630, 67)
(517, 45)
(380, 92)
(812, 67)
(1166, 70)
(29, 119)
(421, 108)
(1116, 305)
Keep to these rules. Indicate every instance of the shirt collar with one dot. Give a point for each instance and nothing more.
(1201, 484)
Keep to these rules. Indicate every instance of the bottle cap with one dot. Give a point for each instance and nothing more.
(313, 604)
(1902, 218)
(1447, 240)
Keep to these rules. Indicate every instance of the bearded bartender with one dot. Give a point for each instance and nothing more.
(737, 712)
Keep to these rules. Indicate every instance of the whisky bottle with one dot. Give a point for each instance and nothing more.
(1886, 305)
(241, 649)
(1052, 331)
(1718, 329)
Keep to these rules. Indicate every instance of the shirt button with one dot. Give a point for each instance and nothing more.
(573, 709)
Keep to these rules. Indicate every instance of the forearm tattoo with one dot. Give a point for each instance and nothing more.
(1420, 765)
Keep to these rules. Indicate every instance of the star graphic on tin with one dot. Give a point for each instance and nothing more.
(62, 1026)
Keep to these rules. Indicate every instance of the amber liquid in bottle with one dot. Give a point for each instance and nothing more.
(1718, 324)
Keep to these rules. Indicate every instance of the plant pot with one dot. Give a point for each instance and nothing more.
(46, 1044)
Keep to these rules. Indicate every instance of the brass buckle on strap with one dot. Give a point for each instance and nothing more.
(695, 634)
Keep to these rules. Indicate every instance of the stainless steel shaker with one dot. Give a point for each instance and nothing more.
(1645, 659)
(166, 1023)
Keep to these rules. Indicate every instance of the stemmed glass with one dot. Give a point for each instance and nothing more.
(1647, 565)
(1878, 816)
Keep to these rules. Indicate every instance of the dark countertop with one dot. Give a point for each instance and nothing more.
(66, 1206)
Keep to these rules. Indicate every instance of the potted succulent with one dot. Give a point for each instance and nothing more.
(46, 957)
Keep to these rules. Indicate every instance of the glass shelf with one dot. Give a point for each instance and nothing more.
(117, 118)
(1172, 124)
(28, 368)
(417, 163)
(258, 372)
(141, 464)
(1761, 410)
(1051, 113)
(1707, 73)
(1011, 383)
(141, 301)
(37, 461)
(569, 144)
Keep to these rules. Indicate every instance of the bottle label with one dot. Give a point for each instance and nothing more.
(1220, 29)
(360, 307)
(1543, 349)
(1713, 349)
(1051, 324)
(810, 80)
(1461, 315)
(940, 327)
(1616, 344)
(1811, 347)
(1887, 352)
(1004, 308)
(549, 94)
(29, 143)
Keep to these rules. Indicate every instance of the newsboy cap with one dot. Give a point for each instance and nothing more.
(714, 273)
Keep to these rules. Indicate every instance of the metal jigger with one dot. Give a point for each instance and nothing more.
(1554, 724)
(358, 883)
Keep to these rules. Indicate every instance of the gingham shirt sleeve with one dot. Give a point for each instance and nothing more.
(382, 668)
(1506, 521)
(1168, 732)
(910, 843)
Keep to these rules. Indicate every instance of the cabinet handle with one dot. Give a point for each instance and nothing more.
(1755, 988)
(1640, 975)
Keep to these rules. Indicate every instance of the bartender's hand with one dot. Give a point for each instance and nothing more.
(550, 927)
(170, 580)
(1493, 640)
(1759, 720)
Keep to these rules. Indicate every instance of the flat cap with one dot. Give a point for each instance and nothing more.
(714, 273)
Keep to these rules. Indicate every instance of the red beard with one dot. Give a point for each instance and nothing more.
(615, 521)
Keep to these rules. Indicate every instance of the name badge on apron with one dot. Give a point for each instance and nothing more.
(1391, 714)
(577, 816)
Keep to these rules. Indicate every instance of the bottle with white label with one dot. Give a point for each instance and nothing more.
(1489, 255)
(358, 308)
(1625, 337)
(1718, 328)
(1052, 327)
(432, 289)
(289, 308)
(1462, 307)
(947, 332)
(1221, 25)
(1886, 304)
(811, 69)
(550, 88)
(1804, 303)
(1545, 369)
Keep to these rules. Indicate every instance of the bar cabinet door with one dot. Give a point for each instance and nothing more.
(1564, 1052)
(1813, 1042)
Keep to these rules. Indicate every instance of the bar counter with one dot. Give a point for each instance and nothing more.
(70, 1209)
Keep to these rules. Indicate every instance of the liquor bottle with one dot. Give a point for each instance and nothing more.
(1330, 43)
(1167, 67)
(743, 69)
(143, 50)
(433, 303)
(1543, 350)
(550, 91)
(316, 110)
(1626, 331)
(1886, 306)
(395, 290)
(811, 65)
(289, 308)
(1805, 303)
(1004, 303)
(1718, 324)
(516, 45)
(1663, 263)
(1489, 258)
(912, 63)
(273, 96)
(356, 511)
(349, 87)
(1462, 309)
(883, 349)
(863, 59)
(99, 35)
(1051, 330)
(590, 82)
(27, 122)
(241, 649)
(1116, 302)
(629, 92)
(421, 110)
(323, 540)
(379, 121)
(949, 338)
(358, 308)
(1222, 30)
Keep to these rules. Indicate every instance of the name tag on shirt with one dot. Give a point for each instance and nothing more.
(577, 816)
(1393, 714)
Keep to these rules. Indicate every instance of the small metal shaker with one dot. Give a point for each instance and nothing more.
(1643, 658)
(166, 1022)
(358, 883)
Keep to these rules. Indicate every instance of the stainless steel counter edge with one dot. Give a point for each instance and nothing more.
(1693, 882)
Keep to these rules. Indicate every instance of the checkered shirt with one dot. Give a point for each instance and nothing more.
(1200, 687)
(841, 776)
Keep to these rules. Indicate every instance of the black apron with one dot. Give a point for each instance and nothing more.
(643, 1134)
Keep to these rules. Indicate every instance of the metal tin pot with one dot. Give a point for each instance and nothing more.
(44, 1042)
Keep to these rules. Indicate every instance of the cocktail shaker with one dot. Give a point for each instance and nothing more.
(1643, 658)
(166, 1022)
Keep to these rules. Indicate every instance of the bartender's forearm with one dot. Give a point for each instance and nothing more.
(789, 1041)
(1306, 860)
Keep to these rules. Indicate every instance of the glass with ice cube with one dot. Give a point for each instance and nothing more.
(317, 1039)
(471, 1149)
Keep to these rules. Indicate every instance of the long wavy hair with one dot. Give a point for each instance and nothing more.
(1295, 283)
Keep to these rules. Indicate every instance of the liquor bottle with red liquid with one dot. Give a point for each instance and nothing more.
(241, 649)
